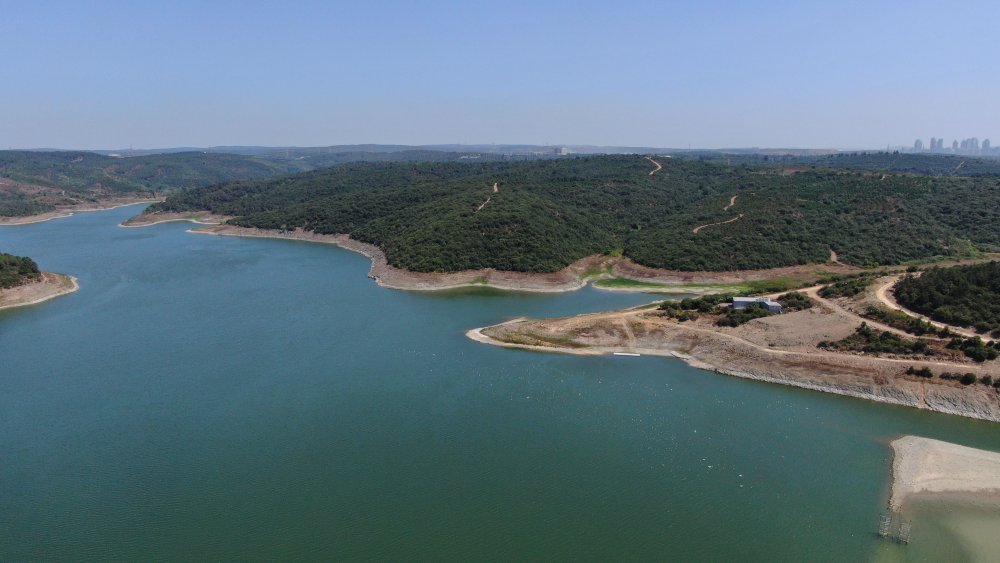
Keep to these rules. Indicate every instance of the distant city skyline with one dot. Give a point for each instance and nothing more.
(968, 146)
(714, 74)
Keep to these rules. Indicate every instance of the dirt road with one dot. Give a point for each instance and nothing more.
(658, 166)
(883, 294)
(732, 202)
(700, 227)
(496, 189)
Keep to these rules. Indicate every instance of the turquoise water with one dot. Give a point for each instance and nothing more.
(220, 398)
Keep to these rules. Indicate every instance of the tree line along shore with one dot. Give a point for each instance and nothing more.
(548, 214)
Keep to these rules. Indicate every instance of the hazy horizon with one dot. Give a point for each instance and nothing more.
(642, 74)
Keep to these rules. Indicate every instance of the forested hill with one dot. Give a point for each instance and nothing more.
(35, 181)
(926, 164)
(17, 270)
(549, 213)
(960, 295)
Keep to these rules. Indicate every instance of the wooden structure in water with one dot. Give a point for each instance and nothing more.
(893, 527)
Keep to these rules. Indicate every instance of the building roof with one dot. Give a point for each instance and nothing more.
(748, 300)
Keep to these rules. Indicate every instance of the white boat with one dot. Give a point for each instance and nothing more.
(624, 354)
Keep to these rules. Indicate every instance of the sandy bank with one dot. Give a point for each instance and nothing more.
(49, 287)
(925, 466)
(69, 210)
(149, 219)
(780, 349)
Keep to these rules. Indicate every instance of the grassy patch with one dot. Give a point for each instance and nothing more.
(772, 286)
(535, 339)
(597, 270)
(625, 282)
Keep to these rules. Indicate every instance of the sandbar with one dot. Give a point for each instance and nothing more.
(923, 466)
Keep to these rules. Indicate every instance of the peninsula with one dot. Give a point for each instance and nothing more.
(829, 338)
(22, 283)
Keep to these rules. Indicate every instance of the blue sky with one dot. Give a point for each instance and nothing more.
(705, 74)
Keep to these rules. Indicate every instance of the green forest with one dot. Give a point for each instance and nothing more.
(39, 181)
(17, 270)
(444, 216)
(960, 295)
(923, 164)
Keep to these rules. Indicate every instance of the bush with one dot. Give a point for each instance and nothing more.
(922, 372)
(867, 339)
(795, 301)
(736, 317)
(968, 379)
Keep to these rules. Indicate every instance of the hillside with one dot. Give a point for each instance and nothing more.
(33, 182)
(546, 214)
(925, 164)
(17, 270)
(960, 295)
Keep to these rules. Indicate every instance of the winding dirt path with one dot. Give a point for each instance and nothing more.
(658, 166)
(886, 298)
(623, 316)
(700, 227)
(623, 320)
(496, 189)
(732, 202)
(833, 307)
(813, 293)
(834, 259)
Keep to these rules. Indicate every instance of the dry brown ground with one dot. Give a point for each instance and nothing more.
(923, 466)
(49, 287)
(779, 349)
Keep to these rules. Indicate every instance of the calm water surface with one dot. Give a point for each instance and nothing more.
(219, 398)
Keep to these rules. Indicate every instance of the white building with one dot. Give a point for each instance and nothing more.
(744, 302)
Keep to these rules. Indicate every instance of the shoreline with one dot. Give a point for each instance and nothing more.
(69, 211)
(924, 468)
(759, 353)
(577, 275)
(49, 287)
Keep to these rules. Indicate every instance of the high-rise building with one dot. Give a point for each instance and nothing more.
(954, 146)
(918, 145)
(986, 146)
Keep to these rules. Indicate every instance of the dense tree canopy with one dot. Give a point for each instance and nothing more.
(17, 270)
(960, 295)
(38, 181)
(549, 213)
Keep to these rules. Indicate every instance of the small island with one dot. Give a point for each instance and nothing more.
(22, 283)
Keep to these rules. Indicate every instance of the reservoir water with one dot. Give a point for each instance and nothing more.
(216, 398)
